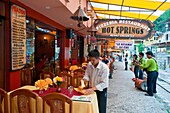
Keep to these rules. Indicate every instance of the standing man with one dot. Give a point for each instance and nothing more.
(141, 62)
(157, 73)
(151, 66)
(97, 74)
(135, 63)
(126, 62)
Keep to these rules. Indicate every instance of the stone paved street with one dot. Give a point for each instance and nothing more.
(123, 97)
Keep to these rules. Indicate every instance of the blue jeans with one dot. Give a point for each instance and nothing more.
(136, 71)
(151, 81)
(102, 100)
(141, 74)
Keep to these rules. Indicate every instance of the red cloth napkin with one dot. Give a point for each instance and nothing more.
(63, 91)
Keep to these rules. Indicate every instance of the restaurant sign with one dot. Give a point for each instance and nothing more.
(124, 44)
(18, 37)
(123, 28)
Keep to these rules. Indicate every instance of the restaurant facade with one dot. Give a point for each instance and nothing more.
(27, 33)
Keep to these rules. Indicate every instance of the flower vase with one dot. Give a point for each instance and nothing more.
(58, 88)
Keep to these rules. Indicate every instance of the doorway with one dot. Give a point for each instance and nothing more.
(44, 52)
(2, 52)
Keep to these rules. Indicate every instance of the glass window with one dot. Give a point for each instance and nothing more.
(166, 36)
(30, 41)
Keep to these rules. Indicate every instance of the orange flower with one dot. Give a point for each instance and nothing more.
(49, 81)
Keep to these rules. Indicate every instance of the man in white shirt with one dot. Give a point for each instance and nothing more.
(97, 74)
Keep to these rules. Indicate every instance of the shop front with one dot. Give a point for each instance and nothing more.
(29, 35)
(41, 40)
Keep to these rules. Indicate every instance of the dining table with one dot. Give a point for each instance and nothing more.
(78, 106)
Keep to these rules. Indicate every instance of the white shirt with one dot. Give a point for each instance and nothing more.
(97, 77)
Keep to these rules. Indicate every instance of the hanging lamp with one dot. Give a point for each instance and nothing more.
(79, 15)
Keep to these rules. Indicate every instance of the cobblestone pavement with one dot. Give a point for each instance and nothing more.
(123, 97)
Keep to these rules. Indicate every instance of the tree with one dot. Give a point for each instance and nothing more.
(140, 47)
(159, 25)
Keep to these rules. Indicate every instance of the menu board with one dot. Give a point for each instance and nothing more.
(18, 37)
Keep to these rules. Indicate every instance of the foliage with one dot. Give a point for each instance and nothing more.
(140, 47)
(159, 25)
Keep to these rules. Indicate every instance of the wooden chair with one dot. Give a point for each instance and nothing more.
(68, 80)
(66, 70)
(73, 67)
(3, 101)
(27, 76)
(77, 80)
(57, 103)
(47, 74)
(23, 101)
(78, 71)
(48, 69)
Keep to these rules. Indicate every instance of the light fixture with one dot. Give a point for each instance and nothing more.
(44, 42)
(47, 7)
(92, 29)
(79, 16)
(27, 21)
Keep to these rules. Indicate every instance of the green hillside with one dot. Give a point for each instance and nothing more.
(159, 26)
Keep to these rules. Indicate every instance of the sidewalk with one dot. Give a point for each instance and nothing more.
(123, 97)
(164, 75)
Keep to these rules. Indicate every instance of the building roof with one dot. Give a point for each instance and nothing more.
(129, 9)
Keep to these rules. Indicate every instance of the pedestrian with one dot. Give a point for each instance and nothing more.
(111, 67)
(157, 73)
(97, 74)
(126, 62)
(135, 62)
(105, 60)
(141, 62)
(151, 67)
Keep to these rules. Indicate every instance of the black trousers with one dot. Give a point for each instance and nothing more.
(126, 65)
(151, 82)
(154, 86)
(102, 100)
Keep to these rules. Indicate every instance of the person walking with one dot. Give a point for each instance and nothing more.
(97, 74)
(141, 62)
(150, 66)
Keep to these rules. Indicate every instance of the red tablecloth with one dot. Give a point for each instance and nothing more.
(63, 91)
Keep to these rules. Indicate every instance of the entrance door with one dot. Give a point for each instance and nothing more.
(2, 53)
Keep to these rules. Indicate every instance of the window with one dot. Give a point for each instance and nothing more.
(154, 38)
(166, 36)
